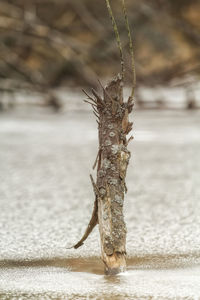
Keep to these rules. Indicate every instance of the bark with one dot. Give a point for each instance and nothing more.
(112, 161)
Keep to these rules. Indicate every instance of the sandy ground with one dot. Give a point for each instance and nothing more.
(46, 200)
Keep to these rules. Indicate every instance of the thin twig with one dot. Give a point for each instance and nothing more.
(93, 222)
(98, 97)
(130, 139)
(94, 219)
(95, 114)
(89, 102)
(96, 191)
(130, 48)
(96, 160)
(94, 108)
(89, 97)
(116, 35)
(107, 94)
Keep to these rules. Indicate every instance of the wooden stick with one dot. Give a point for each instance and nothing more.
(111, 179)
(113, 159)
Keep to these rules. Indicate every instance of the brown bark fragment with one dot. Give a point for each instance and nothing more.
(91, 225)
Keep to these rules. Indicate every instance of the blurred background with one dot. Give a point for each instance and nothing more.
(50, 49)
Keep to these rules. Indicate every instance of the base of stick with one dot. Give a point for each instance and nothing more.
(115, 263)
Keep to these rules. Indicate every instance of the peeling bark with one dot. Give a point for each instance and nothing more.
(112, 161)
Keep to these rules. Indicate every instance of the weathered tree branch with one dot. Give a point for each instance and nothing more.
(112, 158)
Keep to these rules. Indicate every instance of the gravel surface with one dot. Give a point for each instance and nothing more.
(46, 200)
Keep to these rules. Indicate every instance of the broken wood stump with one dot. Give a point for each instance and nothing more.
(112, 161)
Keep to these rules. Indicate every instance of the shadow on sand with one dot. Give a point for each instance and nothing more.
(94, 265)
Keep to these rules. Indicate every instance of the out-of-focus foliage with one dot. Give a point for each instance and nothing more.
(71, 42)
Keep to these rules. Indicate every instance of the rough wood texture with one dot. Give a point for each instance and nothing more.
(111, 173)
(112, 161)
